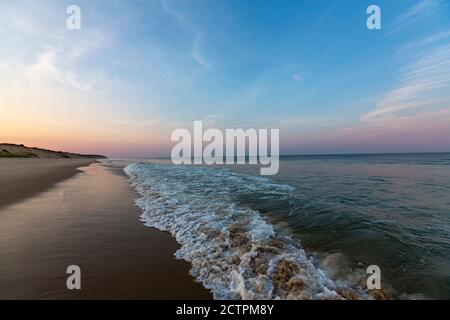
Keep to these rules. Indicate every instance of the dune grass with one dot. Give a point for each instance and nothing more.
(20, 154)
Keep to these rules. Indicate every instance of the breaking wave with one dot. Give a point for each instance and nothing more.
(233, 250)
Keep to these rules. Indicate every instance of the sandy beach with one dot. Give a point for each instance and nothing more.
(22, 178)
(56, 213)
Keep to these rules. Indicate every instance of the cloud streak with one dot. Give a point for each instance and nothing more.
(421, 83)
(47, 53)
(47, 68)
(196, 52)
(199, 36)
(417, 13)
(292, 121)
(171, 11)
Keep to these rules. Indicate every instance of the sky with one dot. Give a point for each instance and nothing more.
(137, 70)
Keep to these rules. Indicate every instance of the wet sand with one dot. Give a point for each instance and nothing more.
(88, 220)
(22, 178)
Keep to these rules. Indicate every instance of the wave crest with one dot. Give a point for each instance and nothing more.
(232, 249)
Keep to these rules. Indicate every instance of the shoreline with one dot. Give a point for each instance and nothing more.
(89, 220)
(24, 178)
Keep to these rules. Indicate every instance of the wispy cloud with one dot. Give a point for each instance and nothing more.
(172, 11)
(49, 67)
(296, 121)
(198, 35)
(52, 54)
(419, 81)
(425, 42)
(196, 51)
(421, 11)
(136, 123)
(292, 121)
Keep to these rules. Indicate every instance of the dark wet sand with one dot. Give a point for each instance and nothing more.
(22, 178)
(89, 220)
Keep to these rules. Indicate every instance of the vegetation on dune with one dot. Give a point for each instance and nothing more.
(9, 150)
(7, 154)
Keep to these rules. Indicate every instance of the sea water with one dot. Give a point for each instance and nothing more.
(311, 231)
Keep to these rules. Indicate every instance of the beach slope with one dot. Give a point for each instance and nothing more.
(89, 220)
(22, 178)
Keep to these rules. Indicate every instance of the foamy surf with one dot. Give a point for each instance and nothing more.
(233, 250)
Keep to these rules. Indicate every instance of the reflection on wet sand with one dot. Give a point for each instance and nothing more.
(89, 220)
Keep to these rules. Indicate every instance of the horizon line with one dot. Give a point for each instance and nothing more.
(306, 155)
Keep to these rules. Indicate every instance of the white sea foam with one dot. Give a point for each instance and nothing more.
(232, 249)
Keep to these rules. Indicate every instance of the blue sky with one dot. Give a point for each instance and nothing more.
(138, 69)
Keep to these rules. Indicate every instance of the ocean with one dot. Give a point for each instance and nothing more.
(311, 231)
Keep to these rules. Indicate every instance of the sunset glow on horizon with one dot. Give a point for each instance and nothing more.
(134, 72)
